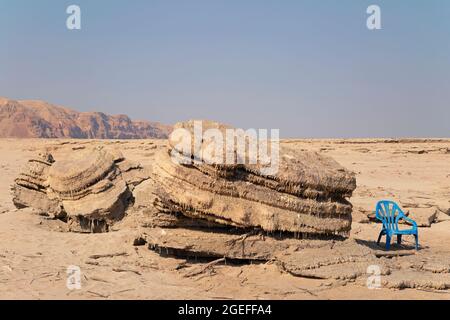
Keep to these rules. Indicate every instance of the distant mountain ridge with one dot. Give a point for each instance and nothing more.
(39, 119)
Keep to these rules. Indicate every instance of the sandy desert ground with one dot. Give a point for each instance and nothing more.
(34, 256)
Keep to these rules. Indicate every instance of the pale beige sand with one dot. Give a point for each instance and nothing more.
(34, 256)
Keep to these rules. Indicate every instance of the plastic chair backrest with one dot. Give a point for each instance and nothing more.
(389, 213)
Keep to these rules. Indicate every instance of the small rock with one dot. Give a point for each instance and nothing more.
(436, 267)
(444, 210)
(415, 205)
(441, 217)
(424, 216)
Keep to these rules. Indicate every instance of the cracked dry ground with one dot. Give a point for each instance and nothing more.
(34, 256)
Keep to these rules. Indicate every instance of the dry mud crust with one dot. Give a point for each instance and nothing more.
(214, 244)
(336, 260)
(424, 261)
(424, 270)
(414, 279)
(320, 259)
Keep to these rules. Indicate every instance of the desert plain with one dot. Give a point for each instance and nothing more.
(35, 251)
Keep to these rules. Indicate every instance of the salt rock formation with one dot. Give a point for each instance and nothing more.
(90, 188)
(29, 189)
(306, 196)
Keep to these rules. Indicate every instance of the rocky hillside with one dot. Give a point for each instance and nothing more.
(39, 119)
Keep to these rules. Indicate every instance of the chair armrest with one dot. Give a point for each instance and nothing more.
(411, 221)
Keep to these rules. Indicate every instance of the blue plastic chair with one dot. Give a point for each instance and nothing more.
(390, 213)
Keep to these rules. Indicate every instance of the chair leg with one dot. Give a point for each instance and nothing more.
(379, 237)
(388, 242)
(416, 236)
(399, 239)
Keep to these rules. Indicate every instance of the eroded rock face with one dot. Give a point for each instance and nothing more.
(90, 188)
(30, 187)
(239, 211)
(307, 195)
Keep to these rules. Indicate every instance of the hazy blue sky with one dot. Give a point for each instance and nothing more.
(309, 68)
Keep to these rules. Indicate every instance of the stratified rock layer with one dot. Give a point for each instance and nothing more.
(90, 188)
(29, 189)
(307, 194)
